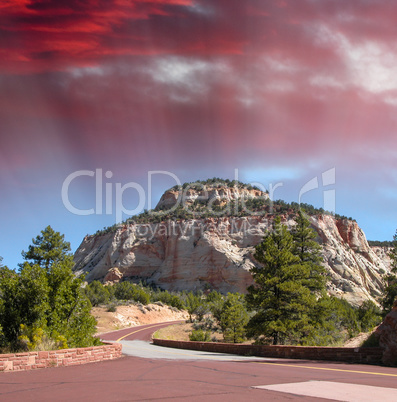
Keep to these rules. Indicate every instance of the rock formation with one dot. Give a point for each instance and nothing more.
(218, 252)
(207, 195)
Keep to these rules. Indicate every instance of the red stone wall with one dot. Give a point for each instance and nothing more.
(349, 355)
(57, 358)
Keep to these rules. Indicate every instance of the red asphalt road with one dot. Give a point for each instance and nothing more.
(137, 379)
(141, 333)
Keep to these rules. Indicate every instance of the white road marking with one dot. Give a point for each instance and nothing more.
(336, 391)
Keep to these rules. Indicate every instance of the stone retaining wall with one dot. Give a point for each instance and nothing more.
(348, 355)
(57, 358)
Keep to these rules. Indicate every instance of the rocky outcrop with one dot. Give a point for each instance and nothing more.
(356, 269)
(387, 334)
(218, 253)
(113, 276)
(209, 195)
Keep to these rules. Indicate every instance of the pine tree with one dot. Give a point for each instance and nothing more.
(308, 251)
(233, 318)
(47, 248)
(391, 280)
(282, 296)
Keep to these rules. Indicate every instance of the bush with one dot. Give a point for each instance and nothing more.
(167, 298)
(200, 336)
(36, 339)
(97, 293)
(129, 291)
(369, 315)
(112, 308)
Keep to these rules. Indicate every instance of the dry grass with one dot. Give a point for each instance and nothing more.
(358, 340)
(177, 332)
(181, 332)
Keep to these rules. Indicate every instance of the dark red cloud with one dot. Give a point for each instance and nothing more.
(51, 35)
(147, 80)
(54, 35)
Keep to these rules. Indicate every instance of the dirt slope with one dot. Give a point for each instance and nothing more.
(132, 315)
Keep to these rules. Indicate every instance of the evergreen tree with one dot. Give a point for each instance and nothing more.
(24, 301)
(215, 302)
(234, 318)
(70, 308)
(47, 248)
(45, 296)
(391, 280)
(308, 251)
(10, 316)
(281, 296)
(192, 304)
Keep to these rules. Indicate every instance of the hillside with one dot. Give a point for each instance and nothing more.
(212, 246)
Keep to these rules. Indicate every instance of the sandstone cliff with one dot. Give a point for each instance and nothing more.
(218, 253)
(207, 195)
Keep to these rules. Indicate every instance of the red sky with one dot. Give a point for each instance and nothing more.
(281, 90)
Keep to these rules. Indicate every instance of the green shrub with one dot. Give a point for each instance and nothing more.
(129, 291)
(112, 308)
(200, 336)
(97, 293)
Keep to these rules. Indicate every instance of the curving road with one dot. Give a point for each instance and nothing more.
(164, 377)
(143, 332)
(136, 340)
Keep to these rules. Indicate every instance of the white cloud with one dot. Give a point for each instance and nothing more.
(282, 65)
(369, 65)
(79, 72)
(391, 100)
(178, 71)
(184, 71)
(188, 78)
(372, 66)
